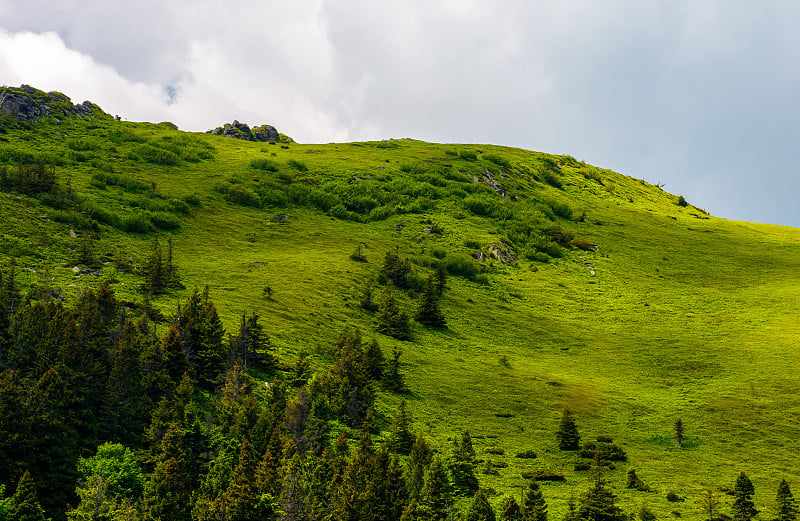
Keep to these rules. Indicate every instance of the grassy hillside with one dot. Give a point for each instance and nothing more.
(624, 305)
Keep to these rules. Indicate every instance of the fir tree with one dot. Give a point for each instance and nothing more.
(25, 504)
(510, 510)
(391, 320)
(401, 440)
(480, 509)
(437, 492)
(567, 435)
(787, 508)
(429, 312)
(419, 460)
(599, 504)
(679, 432)
(743, 507)
(462, 466)
(709, 502)
(392, 377)
(533, 506)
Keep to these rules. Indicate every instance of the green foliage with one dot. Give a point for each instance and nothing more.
(116, 466)
(567, 434)
(480, 509)
(462, 466)
(25, 502)
(498, 160)
(743, 506)
(786, 504)
(265, 165)
(300, 166)
(392, 320)
(533, 506)
(429, 311)
(600, 504)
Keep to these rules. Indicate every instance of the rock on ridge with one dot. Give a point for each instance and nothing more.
(262, 133)
(29, 104)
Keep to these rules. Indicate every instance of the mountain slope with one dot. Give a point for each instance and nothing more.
(624, 305)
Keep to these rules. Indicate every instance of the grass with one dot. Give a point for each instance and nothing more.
(676, 314)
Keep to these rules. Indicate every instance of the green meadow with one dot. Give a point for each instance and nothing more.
(617, 301)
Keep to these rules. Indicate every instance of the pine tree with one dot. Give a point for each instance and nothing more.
(462, 466)
(679, 432)
(437, 492)
(429, 312)
(743, 507)
(419, 460)
(242, 496)
(787, 508)
(392, 377)
(510, 510)
(599, 504)
(480, 509)
(533, 506)
(567, 435)
(391, 320)
(401, 440)
(25, 504)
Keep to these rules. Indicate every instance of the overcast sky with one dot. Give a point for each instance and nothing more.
(700, 95)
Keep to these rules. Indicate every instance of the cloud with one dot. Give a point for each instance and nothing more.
(697, 95)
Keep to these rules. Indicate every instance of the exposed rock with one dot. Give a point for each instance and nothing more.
(266, 133)
(29, 104)
(280, 218)
(261, 133)
(502, 252)
(478, 254)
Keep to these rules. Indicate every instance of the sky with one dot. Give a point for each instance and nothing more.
(697, 95)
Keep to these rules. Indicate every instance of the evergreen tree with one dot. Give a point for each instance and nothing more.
(401, 440)
(242, 491)
(167, 494)
(437, 492)
(395, 270)
(480, 509)
(25, 504)
(599, 504)
(391, 320)
(510, 510)
(679, 432)
(251, 343)
(392, 377)
(787, 508)
(462, 466)
(567, 434)
(709, 501)
(533, 506)
(417, 465)
(743, 507)
(429, 312)
(201, 334)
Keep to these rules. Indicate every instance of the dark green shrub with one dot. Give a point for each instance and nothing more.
(100, 214)
(192, 200)
(297, 165)
(265, 165)
(472, 244)
(467, 155)
(178, 206)
(602, 451)
(380, 213)
(477, 205)
(682, 201)
(550, 177)
(341, 212)
(438, 252)
(157, 156)
(498, 160)
(137, 223)
(271, 195)
(583, 244)
(164, 221)
(562, 210)
(537, 256)
(461, 266)
(528, 454)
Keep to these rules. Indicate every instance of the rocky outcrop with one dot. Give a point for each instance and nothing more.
(502, 252)
(262, 133)
(29, 104)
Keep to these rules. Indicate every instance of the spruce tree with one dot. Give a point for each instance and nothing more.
(25, 504)
(510, 511)
(480, 509)
(599, 504)
(429, 312)
(533, 506)
(462, 466)
(401, 440)
(417, 465)
(787, 508)
(392, 321)
(567, 435)
(437, 492)
(743, 507)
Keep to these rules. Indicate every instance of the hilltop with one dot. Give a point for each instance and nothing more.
(568, 287)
